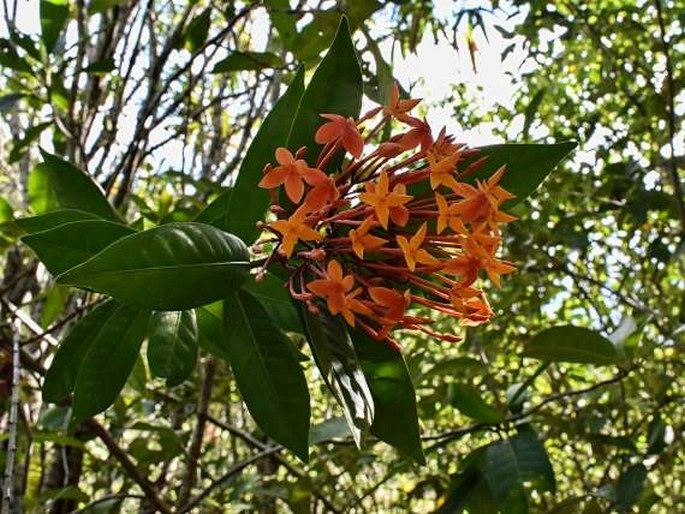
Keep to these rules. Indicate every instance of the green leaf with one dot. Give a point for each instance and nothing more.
(629, 487)
(9, 58)
(197, 31)
(63, 247)
(248, 61)
(53, 219)
(173, 267)
(336, 359)
(61, 376)
(284, 21)
(395, 420)
(53, 16)
(333, 428)
(56, 184)
(53, 307)
(572, 344)
(336, 87)
(6, 211)
(239, 208)
(533, 461)
(97, 6)
(210, 324)
(531, 110)
(111, 355)
(469, 401)
(30, 135)
(7, 101)
(101, 67)
(273, 295)
(527, 165)
(172, 345)
(268, 374)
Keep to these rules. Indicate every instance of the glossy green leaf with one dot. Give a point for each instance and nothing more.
(172, 345)
(111, 355)
(273, 295)
(336, 87)
(239, 208)
(469, 401)
(572, 344)
(248, 61)
(63, 247)
(340, 367)
(61, 375)
(53, 15)
(56, 184)
(53, 219)
(173, 267)
(268, 374)
(527, 165)
(395, 420)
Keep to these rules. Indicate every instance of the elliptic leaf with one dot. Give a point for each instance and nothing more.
(173, 267)
(336, 87)
(248, 61)
(53, 15)
(572, 344)
(469, 401)
(336, 359)
(56, 184)
(395, 420)
(61, 375)
(111, 355)
(172, 345)
(268, 374)
(273, 295)
(63, 247)
(527, 165)
(53, 219)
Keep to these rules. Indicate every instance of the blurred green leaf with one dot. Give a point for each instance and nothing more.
(197, 31)
(173, 267)
(53, 16)
(469, 401)
(248, 61)
(629, 487)
(572, 344)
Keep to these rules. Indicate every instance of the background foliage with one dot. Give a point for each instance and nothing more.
(159, 103)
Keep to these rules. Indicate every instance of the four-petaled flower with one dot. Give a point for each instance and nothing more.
(362, 240)
(340, 129)
(412, 251)
(295, 229)
(386, 204)
(398, 107)
(291, 172)
(336, 288)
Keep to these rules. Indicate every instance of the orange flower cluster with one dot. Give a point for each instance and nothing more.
(375, 230)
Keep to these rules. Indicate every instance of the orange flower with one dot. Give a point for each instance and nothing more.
(397, 107)
(322, 193)
(343, 129)
(442, 170)
(419, 135)
(293, 230)
(335, 288)
(362, 240)
(448, 217)
(478, 256)
(473, 305)
(413, 253)
(291, 172)
(393, 303)
(481, 204)
(382, 201)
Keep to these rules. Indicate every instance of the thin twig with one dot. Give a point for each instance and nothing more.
(119, 454)
(8, 479)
